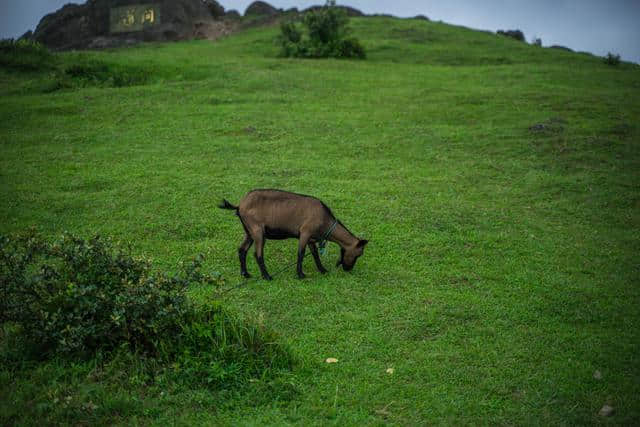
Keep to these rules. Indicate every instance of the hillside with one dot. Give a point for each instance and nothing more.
(498, 184)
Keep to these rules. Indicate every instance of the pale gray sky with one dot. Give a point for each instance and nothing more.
(597, 26)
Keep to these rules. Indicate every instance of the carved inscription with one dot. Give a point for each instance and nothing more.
(134, 17)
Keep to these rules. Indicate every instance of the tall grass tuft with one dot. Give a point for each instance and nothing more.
(25, 55)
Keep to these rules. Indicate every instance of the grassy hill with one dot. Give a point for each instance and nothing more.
(497, 182)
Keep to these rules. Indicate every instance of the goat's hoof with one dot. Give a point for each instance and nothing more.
(301, 276)
(246, 275)
(322, 270)
(267, 277)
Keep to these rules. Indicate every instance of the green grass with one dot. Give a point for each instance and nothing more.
(503, 265)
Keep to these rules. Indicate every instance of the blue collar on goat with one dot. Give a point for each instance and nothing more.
(322, 244)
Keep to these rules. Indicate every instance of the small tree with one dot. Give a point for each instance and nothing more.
(514, 34)
(327, 29)
(612, 59)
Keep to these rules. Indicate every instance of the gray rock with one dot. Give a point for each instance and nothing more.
(232, 14)
(606, 411)
(260, 8)
(216, 9)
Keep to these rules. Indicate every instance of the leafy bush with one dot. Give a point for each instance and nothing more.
(327, 29)
(25, 55)
(514, 34)
(76, 298)
(612, 59)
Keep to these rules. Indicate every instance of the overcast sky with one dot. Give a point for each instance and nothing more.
(597, 26)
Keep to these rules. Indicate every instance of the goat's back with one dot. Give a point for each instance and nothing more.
(283, 210)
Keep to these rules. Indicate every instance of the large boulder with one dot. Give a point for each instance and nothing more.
(260, 8)
(232, 14)
(66, 27)
(99, 23)
(215, 8)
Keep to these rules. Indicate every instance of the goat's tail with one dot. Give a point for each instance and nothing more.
(226, 205)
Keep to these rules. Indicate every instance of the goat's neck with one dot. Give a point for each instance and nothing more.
(343, 237)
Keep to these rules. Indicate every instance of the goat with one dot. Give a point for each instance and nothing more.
(277, 215)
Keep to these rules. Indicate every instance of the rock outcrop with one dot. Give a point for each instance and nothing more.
(260, 8)
(111, 23)
(107, 23)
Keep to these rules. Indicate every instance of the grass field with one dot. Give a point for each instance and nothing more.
(498, 184)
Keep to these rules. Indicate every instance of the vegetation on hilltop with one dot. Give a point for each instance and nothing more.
(327, 35)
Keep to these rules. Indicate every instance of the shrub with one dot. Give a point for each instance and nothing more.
(612, 59)
(327, 29)
(514, 34)
(25, 55)
(290, 32)
(76, 296)
(350, 48)
(79, 298)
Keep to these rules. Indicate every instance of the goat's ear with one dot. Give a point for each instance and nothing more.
(362, 243)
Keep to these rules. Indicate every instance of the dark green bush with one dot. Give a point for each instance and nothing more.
(514, 34)
(350, 48)
(25, 55)
(612, 59)
(290, 32)
(79, 297)
(327, 32)
(326, 25)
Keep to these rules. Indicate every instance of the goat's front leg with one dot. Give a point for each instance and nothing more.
(316, 257)
(302, 244)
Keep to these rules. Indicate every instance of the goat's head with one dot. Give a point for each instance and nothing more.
(349, 255)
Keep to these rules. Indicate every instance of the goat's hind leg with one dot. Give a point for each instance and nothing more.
(242, 254)
(258, 237)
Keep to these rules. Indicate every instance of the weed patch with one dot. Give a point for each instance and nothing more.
(550, 127)
(25, 56)
(98, 73)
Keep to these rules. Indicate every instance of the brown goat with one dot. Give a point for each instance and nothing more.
(276, 214)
